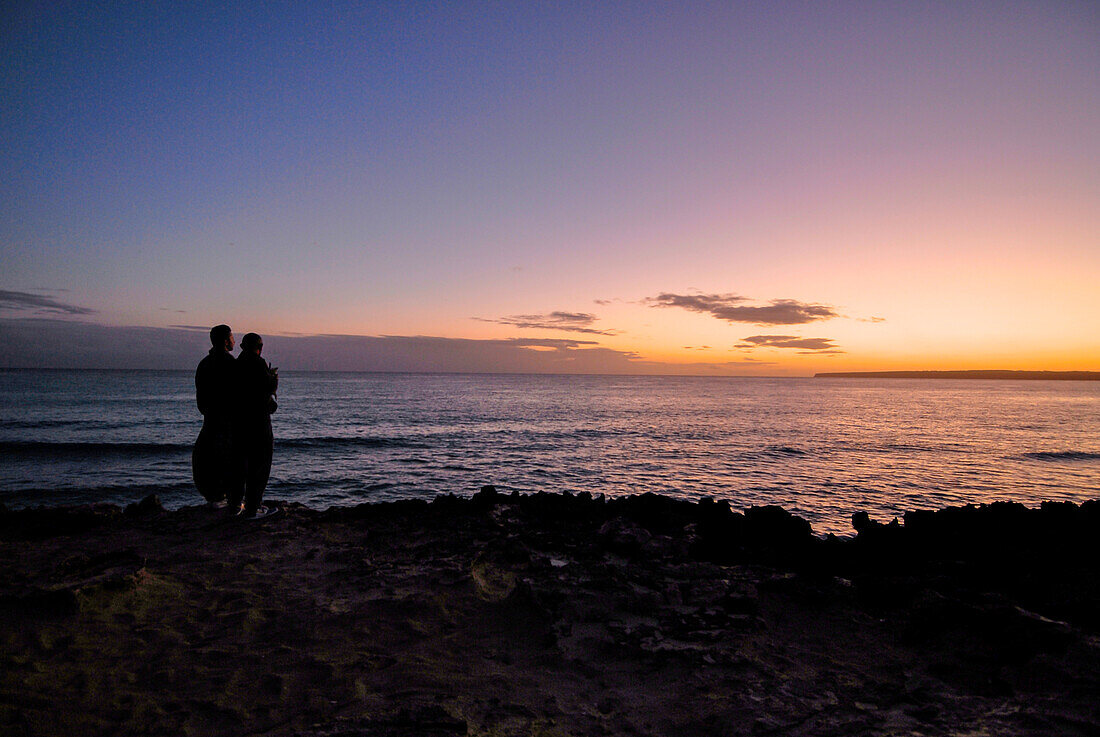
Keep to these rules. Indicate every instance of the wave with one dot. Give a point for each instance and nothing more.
(172, 494)
(348, 442)
(40, 447)
(46, 424)
(1063, 455)
(783, 450)
(81, 448)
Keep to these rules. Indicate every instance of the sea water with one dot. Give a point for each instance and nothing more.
(821, 448)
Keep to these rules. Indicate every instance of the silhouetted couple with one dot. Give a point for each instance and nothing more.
(236, 396)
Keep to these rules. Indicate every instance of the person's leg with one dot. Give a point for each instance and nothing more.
(259, 456)
(236, 470)
(200, 469)
(209, 460)
(235, 485)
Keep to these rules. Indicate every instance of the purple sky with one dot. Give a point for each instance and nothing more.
(442, 169)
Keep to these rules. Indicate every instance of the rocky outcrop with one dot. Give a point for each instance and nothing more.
(550, 614)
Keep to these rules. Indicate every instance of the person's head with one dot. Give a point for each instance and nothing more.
(221, 337)
(253, 343)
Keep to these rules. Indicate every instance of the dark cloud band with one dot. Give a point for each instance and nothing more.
(77, 344)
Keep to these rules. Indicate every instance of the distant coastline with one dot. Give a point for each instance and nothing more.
(976, 374)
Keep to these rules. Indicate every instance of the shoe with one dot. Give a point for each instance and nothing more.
(262, 512)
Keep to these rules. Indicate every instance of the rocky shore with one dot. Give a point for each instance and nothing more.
(548, 615)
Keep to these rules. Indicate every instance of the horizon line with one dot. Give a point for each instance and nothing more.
(820, 374)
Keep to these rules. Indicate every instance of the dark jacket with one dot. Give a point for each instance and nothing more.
(216, 384)
(256, 386)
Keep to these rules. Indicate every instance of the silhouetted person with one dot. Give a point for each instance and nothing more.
(257, 383)
(214, 460)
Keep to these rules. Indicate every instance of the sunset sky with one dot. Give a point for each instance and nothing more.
(716, 188)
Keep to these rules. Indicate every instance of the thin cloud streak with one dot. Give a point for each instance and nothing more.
(570, 322)
(805, 346)
(41, 304)
(732, 308)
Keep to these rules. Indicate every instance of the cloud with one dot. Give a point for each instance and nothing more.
(804, 345)
(556, 343)
(570, 322)
(41, 342)
(55, 343)
(732, 308)
(40, 304)
(192, 327)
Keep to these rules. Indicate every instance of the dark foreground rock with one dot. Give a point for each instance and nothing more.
(549, 615)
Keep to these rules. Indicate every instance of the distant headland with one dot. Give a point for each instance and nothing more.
(977, 374)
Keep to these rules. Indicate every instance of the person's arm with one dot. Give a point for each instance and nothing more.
(254, 381)
(201, 398)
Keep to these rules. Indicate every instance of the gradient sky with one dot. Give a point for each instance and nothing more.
(731, 188)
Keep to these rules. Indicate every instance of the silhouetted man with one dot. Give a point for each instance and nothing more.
(214, 460)
(257, 383)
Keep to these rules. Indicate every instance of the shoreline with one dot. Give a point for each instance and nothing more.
(551, 613)
(110, 509)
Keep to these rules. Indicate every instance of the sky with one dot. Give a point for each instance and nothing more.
(690, 188)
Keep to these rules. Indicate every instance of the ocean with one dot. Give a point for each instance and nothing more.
(821, 448)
